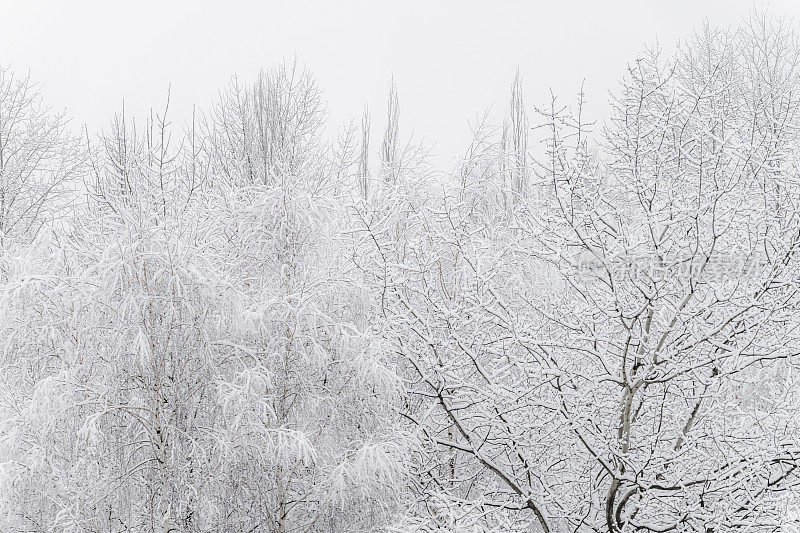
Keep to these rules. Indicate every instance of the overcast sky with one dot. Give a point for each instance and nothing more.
(450, 59)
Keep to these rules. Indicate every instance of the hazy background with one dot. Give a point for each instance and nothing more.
(450, 59)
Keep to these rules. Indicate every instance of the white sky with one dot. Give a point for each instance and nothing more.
(450, 59)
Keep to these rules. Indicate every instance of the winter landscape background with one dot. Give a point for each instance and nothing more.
(254, 318)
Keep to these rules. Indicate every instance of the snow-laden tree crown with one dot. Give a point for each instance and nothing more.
(247, 323)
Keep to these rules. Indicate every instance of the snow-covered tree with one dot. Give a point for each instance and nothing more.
(39, 159)
(241, 327)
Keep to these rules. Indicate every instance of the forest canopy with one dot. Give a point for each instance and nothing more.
(244, 324)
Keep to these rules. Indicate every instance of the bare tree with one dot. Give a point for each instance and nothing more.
(38, 158)
(363, 158)
(625, 362)
(269, 131)
(389, 147)
(517, 141)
